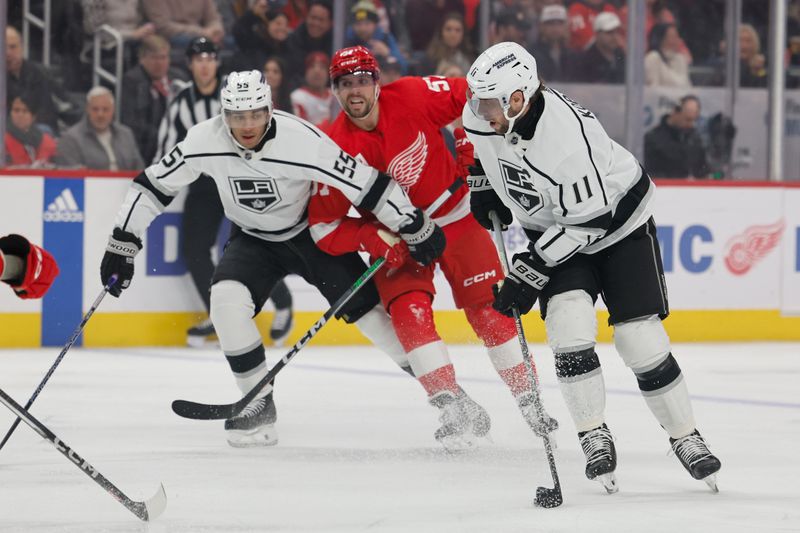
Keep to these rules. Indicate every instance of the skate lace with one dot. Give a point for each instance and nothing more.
(253, 408)
(691, 449)
(281, 319)
(596, 444)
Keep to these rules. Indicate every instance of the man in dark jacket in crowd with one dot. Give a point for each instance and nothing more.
(312, 35)
(147, 88)
(604, 60)
(28, 78)
(674, 149)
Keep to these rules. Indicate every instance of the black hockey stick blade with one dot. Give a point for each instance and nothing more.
(146, 510)
(548, 498)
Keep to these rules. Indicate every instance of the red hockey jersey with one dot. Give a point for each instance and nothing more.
(581, 23)
(406, 144)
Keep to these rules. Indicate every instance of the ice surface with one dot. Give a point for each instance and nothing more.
(356, 450)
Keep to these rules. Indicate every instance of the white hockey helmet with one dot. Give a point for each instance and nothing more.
(245, 92)
(498, 72)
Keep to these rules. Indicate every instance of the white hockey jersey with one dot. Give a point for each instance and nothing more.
(569, 180)
(265, 191)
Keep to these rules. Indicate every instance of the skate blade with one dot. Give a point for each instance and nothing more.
(711, 481)
(255, 438)
(609, 482)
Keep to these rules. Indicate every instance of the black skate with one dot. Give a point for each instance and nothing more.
(198, 335)
(601, 457)
(696, 458)
(464, 422)
(281, 326)
(255, 425)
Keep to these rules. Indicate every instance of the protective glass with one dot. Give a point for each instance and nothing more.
(485, 108)
(250, 118)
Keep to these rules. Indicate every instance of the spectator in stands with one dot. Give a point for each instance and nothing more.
(314, 101)
(512, 25)
(312, 35)
(97, 142)
(275, 72)
(554, 59)
(28, 78)
(124, 16)
(604, 61)
(422, 17)
(582, 15)
(448, 70)
(674, 148)
(664, 64)
(26, 144)
(181, 21)
(753, 69)
(146, 90)
(260, 33)
(365, 31)
(449, 45)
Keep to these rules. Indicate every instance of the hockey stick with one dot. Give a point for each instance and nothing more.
(545, 497)
(111, 281)
(202, 411)
(146, 510)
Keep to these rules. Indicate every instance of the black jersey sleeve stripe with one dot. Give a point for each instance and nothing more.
(130, 212)
(600, 222)
(314, 168)
(376, 192)
(570, 254)
(542, 174)
(143, 181)
(588, 146)
(484, 133)
(561, 200)
(554, 239)
(179, 165)
(211, 154)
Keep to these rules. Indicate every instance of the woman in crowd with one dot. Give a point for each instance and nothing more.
(274, 70)
(26, 144)
(449, 46)
(664, 64)
(260, 33)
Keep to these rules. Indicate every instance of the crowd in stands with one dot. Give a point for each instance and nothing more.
(56, 117)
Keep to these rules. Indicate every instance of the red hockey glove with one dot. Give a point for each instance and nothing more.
(40, 267)
(465, 155)
(380, 242)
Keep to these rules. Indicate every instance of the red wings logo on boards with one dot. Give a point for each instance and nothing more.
(745, 250)
(406, 167)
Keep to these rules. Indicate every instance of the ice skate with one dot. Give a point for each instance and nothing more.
(527, 406)
(197, 336)
(464, 423)
(601, 457)
(281, 326)
(254, 426)
(696, 458)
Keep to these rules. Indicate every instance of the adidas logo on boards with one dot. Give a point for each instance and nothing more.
(63, 209)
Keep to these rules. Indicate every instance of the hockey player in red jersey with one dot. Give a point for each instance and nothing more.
(29, 269)
(399, 134)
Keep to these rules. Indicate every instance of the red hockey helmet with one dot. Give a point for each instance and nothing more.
(353, 60)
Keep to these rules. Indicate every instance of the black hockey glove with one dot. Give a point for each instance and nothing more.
(425, 239)
(118, 259)
(483, 200)
(526, 278)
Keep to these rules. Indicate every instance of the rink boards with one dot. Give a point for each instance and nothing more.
(731, 254)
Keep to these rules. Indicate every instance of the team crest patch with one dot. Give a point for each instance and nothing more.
(254, 194)
(519, 187)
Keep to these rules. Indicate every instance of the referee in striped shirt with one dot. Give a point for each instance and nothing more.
(202, 211)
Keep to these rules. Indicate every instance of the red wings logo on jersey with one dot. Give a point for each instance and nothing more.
(406, 166)
(745, 250)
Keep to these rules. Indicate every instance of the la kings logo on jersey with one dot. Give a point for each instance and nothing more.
(520, 187)
(254, 194)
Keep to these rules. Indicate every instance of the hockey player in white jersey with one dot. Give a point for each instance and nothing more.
(585, 204)
(265, 164)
